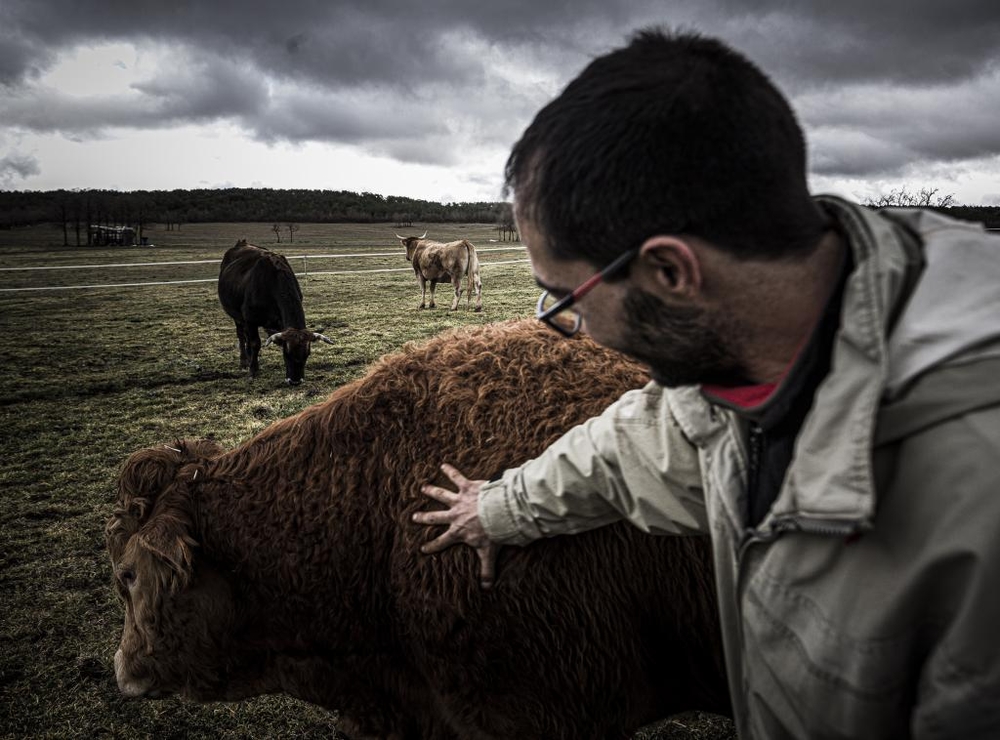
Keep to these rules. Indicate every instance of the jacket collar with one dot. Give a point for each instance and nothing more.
(830, 483)
(831, 480)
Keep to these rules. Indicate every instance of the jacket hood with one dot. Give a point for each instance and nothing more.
(953, 314)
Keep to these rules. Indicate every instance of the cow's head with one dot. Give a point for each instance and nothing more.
(179, 610)
(410, 244)
(295, 347)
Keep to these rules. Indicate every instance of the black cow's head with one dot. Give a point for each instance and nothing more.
(295, 347)
(410, 244)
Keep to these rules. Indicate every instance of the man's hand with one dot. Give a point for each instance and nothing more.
(462, 518)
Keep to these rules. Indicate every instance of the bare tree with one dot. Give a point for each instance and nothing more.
(140, 221)
(505, 224)
(925, 198)
(276, 228)
(292, 228)
(90, 220)
(63, 215)
(76, 219)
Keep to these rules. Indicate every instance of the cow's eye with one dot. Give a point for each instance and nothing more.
(126, 576)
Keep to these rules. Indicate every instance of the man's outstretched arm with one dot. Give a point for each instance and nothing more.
(462, 519)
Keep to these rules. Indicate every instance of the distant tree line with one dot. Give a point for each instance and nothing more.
(75, 210)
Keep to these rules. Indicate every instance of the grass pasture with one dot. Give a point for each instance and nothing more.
(87, 375)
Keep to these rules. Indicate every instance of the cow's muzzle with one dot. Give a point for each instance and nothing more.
(129, 685)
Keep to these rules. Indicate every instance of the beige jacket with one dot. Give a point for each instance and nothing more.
(867, 602)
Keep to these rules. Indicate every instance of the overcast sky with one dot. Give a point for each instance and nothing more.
(424, 98)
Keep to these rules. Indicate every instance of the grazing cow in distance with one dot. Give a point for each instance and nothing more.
(291, 564)
(437, 262)
(258, 288)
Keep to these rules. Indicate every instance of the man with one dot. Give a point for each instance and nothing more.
(825, 403)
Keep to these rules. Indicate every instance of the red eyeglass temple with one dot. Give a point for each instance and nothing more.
(587, 286)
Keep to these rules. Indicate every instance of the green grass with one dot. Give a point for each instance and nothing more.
(87, 376)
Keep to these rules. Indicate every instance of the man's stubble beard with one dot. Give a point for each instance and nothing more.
(682, 345)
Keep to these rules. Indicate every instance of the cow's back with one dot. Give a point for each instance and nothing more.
(442, 261)
(251, 279)
(238, 265)
(613, 607)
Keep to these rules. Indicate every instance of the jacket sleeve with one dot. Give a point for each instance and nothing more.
(632, 462)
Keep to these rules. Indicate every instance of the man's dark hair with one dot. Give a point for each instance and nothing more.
(674, 133)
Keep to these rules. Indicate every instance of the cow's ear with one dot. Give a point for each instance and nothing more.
(168, 535)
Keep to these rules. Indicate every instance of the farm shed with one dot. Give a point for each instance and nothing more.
(111, 236)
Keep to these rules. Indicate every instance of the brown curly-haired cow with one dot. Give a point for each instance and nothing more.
(290, 564)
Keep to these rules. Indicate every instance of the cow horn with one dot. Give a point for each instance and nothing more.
(423, 235)
(401, 238)
(322, 338)
(273, 338)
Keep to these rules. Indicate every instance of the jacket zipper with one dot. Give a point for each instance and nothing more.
(755, 454)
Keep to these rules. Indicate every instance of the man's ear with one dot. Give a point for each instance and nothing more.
(673, 264)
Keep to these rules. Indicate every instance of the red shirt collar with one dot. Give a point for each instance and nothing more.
(744, 396)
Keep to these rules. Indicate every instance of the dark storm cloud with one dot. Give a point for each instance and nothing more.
(399, 42)
(201, 91)
(396, 43)
(408, 132)
(923, 41)
(870, 130)
(15, 167)
(205, 88)
(878, 85)
(20, 59)
(253, 65)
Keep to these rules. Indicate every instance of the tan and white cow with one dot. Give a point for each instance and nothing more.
(439, 262)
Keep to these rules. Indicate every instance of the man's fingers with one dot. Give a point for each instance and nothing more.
(487, 565)
(442, 542)
(453, 475)
(462, 521)
(441, 516)
(439, 494)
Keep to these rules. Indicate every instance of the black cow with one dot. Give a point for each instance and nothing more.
(257, 287)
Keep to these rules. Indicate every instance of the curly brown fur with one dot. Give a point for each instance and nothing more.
(144, 477)
(324, 594)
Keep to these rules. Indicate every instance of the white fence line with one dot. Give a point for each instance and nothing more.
(95, 267)
(214, 280)
(106, 285)
(398, 269)
(303, 257)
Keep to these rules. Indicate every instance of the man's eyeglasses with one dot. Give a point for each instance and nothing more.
(559, 313)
